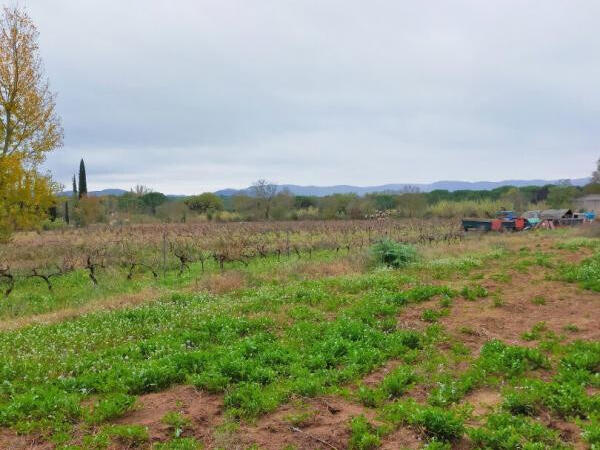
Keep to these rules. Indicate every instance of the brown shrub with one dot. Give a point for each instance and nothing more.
(222, 283)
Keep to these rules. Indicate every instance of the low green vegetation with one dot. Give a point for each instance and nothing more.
(280, 338)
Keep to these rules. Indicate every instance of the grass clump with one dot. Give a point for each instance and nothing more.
(473, 293)
(504, 431)
(126, 435)
(179, 444)
(436, 423)
(393, 254)
(176, 422)
(538, 300)
(363, 435)
(535, 333)
(398, 381)
(586, 273)
(110, 407)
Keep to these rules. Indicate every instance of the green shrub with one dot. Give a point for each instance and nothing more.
(368, 397)
(499, 358)
(591, 433)
(393, 254)
(176, 422)
(128, 435)
(110, 407)
(474, 292)
(363, 435)
(440, 424)
(248, 400)
(397, 382)
(507, 432)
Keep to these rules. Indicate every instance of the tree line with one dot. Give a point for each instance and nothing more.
(265, 201)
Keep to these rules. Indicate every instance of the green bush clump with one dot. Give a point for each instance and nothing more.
(591, 433)
(422, 293)
(566, 399)
(438, 424)
(369, 397)
(499, 358)
(363, 435)
(248, 400)
(110, 407)
(127, 435)
(587, 273)
(176, 422)
(474, 292)
(393, 254)
(504, 431)
(398, 381)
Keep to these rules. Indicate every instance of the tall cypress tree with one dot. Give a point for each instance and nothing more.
(67, 212)
(82, 180)
(74, 187)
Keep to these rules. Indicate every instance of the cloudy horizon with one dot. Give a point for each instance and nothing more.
(216, 94)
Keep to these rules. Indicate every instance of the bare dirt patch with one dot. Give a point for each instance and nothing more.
(9, 440)
(404, 438)
(483, 401)
(326, 425)
(563, 304)
(204, 411)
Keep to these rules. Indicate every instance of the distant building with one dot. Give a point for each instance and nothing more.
(589, 203)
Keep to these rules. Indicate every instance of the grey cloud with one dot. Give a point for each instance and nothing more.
(321, 92)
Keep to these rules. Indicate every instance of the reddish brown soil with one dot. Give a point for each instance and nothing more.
(565, 304)
(204, 411)
(9, 440)
(483, 401)
(404, 438)
(327, 425)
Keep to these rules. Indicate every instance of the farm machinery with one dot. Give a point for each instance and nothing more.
(510, 221)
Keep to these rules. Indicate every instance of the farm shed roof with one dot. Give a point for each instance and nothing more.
(555, 213)
(532, 214)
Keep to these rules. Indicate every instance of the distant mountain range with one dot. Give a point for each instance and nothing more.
(321, 191)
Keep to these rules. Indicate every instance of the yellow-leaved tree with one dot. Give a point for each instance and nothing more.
(29, 126)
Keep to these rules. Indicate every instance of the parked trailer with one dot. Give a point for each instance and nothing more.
(470, 224)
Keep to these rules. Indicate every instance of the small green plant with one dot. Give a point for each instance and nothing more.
(535, 333)
(502, 277)
(301, 418)
(179, 444)
(397, 382)
(505, 431)
(473, 293)
(177, 422)
(571, 328)
(438, 424)
(393, 254)
(129, 435)
(369, 397)
(497, 300)
(430, 315)
(538, 300)
(363, 435)
(110, 407)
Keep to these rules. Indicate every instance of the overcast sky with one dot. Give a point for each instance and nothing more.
(187, 96)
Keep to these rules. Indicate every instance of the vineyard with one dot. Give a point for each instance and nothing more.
(158, 249)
